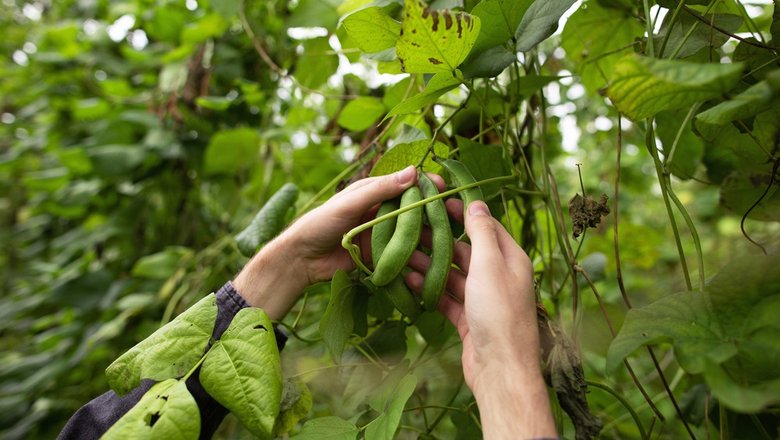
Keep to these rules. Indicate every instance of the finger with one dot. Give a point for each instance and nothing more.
(437, 180)
(362, 195)
(419, 261)
(456, 280)
(514, 255)
(455, 209)
(461, 255)
(415, 282)
(486, 255)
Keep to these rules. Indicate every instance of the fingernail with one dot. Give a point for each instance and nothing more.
(405, 175)
(478, 208)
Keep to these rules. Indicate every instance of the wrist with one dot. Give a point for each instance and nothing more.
(272, 280)
(514, 404)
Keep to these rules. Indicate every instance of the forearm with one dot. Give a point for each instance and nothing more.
(273, 279)
(514, 404)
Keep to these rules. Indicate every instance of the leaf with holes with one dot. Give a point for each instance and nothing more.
(169, 352)
(641, 87)
(167, 411)
(434, 40)
(242, 371)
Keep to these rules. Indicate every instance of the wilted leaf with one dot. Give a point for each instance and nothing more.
(586, 213)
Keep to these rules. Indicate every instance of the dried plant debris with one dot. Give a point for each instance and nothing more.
(563, 372)
(586, 212)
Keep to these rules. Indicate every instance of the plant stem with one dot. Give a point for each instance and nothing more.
(623, 402)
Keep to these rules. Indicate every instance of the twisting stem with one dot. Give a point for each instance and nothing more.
(440, 127)
(354, 250)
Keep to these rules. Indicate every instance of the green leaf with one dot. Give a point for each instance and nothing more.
(296, 404)
(384, 426)
(641, 87)
(488, 63)
(593, 47)
(317, 63)
(403, 155)
(242, 371)
(269, 220)
(336, 324)
(500, 19)
(711, 336)
(168, 353)
(167, 411)
(752, 101)
(216, 103)
(209, 26)
(371, 29)
(113, 161)
(434, 40)
(161, 265)
(743, 188)
(484, 162)
(539, 22)
(229, 151)
(361, 113)
(328, 428)
(689, 35)
(438, 85)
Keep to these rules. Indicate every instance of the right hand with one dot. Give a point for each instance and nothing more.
(491, 303)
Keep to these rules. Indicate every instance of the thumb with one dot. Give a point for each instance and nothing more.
(482, 230)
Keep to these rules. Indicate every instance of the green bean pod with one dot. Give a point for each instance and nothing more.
(403, 242)
(383, 231)
(441, 245)
(402, 298)
(460, 176)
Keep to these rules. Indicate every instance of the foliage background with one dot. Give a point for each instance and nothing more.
(137, 137)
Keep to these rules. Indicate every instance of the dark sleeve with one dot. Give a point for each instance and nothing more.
(95, 418)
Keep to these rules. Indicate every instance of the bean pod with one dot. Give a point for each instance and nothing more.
(460, 176)
(403, 242)
(441, 245)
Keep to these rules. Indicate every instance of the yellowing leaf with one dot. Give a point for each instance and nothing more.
(434, 40)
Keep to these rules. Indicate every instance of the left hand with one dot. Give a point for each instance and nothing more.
(310, 251)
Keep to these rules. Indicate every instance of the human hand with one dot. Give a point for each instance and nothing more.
(310, 250)
(491, 303)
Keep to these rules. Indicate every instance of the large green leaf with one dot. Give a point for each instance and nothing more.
(711, 335)
(742, 189)
(595, 47)
(438, 85)
(328, 428)
(434, 40)
(403, 155)
(539, 22)
(242, 371)
(168, 353)
(500, 19)
(361, 113)
(229, 151)
(371, 29)
(752, 101)
(384, 426)
(167, 411)
(689, 35)
(268, 221)
(640, 86)
(337, 323)
(690, 148)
